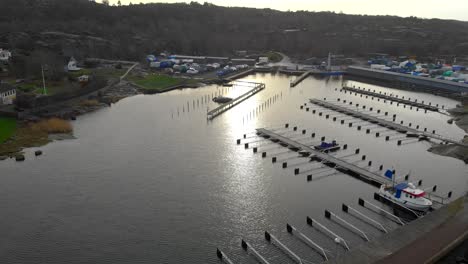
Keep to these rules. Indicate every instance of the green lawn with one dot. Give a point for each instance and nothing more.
(157, 81)
(76, 74)
(273, 56)
(110, 72)
(7, 128)
(36, 87)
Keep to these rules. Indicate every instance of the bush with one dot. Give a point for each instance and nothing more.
(53, 126)
(88, 103)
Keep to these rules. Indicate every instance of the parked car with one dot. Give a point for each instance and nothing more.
(192, 71)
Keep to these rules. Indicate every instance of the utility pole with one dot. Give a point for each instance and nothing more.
(44, 91)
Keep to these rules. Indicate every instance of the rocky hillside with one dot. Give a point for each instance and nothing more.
(85, 29)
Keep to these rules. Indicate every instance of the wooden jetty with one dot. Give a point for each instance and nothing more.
(392, 98)
(240, 75)
(385, 123)
(257, 87)
(409, 80)
(338, 164)
(300, 78)
(291, 71)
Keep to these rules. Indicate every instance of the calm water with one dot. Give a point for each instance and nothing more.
(149, 180)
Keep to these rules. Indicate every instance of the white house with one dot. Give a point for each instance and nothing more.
(7, 94)
(73, 65)
(83, 78)
(263, 60)
(5, 55)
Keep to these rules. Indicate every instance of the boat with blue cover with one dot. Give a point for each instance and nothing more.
(329, 147)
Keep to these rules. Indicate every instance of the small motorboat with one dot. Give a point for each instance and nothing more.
(324, 146)
(407, 195)
(222, 99)
(227, 84)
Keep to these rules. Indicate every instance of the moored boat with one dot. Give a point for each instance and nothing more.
(324, 146)
(407, 195)
(222, 99)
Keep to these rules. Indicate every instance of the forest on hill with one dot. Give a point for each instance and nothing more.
(82, 28)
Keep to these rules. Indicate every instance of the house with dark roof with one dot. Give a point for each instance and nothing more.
(7, 94)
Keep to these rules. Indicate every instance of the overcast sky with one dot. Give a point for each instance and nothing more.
(452, 9)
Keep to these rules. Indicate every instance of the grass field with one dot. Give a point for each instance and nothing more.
(110, 72)
(157, 81)
(273, 56)
(36, 86)
(7, 128)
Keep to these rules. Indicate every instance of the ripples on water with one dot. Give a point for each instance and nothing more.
(150, 180)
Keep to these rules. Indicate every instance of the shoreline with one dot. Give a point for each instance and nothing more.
(79, 106)
(460, 117)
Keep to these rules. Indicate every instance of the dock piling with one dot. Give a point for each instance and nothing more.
(292, 230)
(247, 247)
(312, 222)
(223, 256)
(329, 215)
(379, 210)
(272, 239)
(349, 209)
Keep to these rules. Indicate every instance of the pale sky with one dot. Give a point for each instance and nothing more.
(450, 9)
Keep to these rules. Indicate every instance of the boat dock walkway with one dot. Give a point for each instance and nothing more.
(384, 123)
(337, 163)
(393, 98)
(410, 80)
(257, 87)
(424, 240)
(300, 78)
(240, 75)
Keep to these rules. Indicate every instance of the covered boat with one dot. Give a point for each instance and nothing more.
(222, 99)
(324, 146)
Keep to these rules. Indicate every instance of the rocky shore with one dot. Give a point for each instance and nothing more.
(460, 117)
(27, 137)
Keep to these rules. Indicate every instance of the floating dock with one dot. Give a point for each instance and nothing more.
(300, 78)
(392, 98)
(240, 74)
(384, 123)
(338, 164)
(424, 82)
(257, 87)
(424, 240)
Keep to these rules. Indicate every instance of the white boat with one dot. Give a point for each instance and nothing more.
(407, 195)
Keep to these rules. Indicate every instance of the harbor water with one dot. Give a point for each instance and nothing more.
(151, 180)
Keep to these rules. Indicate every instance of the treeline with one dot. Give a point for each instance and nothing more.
(85, 29)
